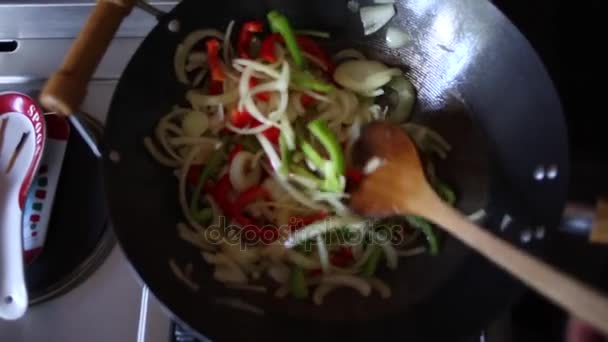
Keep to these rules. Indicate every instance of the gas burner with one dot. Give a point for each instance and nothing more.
(79, 238)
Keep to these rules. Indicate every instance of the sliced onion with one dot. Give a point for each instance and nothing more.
(158, 156)
(395, 38)
(364, 76)
(183, 50)
(185, 140)
(197, 57)
(412, 252)
(374, 18)
(257, 66)
(322, 227)
(183, 175)
(279, 272)
(380, 286)
(274, 189)
(314, 33)
(244, 256)
(239, 304)
(243, 173)
(177, 271)
(406, 97)
(302, 260)
(391, 255)
(229, 275)
(195, 238)
(348, 54)
(351, 281)
(201, 100)
(323, 254)
(194, 124)
(268, 148)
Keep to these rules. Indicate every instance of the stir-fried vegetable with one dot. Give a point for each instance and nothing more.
(262, 153)
(213, 50)
(375, 17)
(210, 169)
(332, 169)
(306, 80)
(279, 23)
(427, 230)
(369, 268)
(246, 35)
(405, 99)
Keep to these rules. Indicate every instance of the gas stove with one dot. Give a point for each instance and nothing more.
(100, 299)
(110, 304)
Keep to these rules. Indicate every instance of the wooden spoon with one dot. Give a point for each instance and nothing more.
(399, 187)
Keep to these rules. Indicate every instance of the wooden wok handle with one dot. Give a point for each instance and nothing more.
(66, 89)
(571, 294)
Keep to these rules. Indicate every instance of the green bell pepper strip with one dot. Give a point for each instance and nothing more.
(210, 169)
(445, 192)
(370, 265)
(203, 215)
(305, 79)
(312, 155)
(297, 283)
(332, 169)
(427, 230)
(279, 23)
(303, 172)
(319, 129)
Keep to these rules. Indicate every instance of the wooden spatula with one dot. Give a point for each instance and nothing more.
(399, 187)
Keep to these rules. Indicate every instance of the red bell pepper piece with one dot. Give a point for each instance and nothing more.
(354, 175)
(267, 50)
(315, 272)
(219, 191)
(216, 87)
(246, 35)
(311, 47)
(307, 100)
(240, 119)
(308, 45)
(194, 173)
(263, 96)
(235, 150)
(342, 257)
(248, 196)
(213, 51)
(272, 134)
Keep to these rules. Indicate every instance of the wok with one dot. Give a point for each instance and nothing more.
(479, 83)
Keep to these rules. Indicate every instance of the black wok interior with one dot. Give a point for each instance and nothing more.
(489, 168)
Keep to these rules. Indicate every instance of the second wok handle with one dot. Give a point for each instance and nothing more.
(579, 299)
(66, 89)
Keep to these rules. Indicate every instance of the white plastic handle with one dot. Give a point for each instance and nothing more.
(13, 293)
